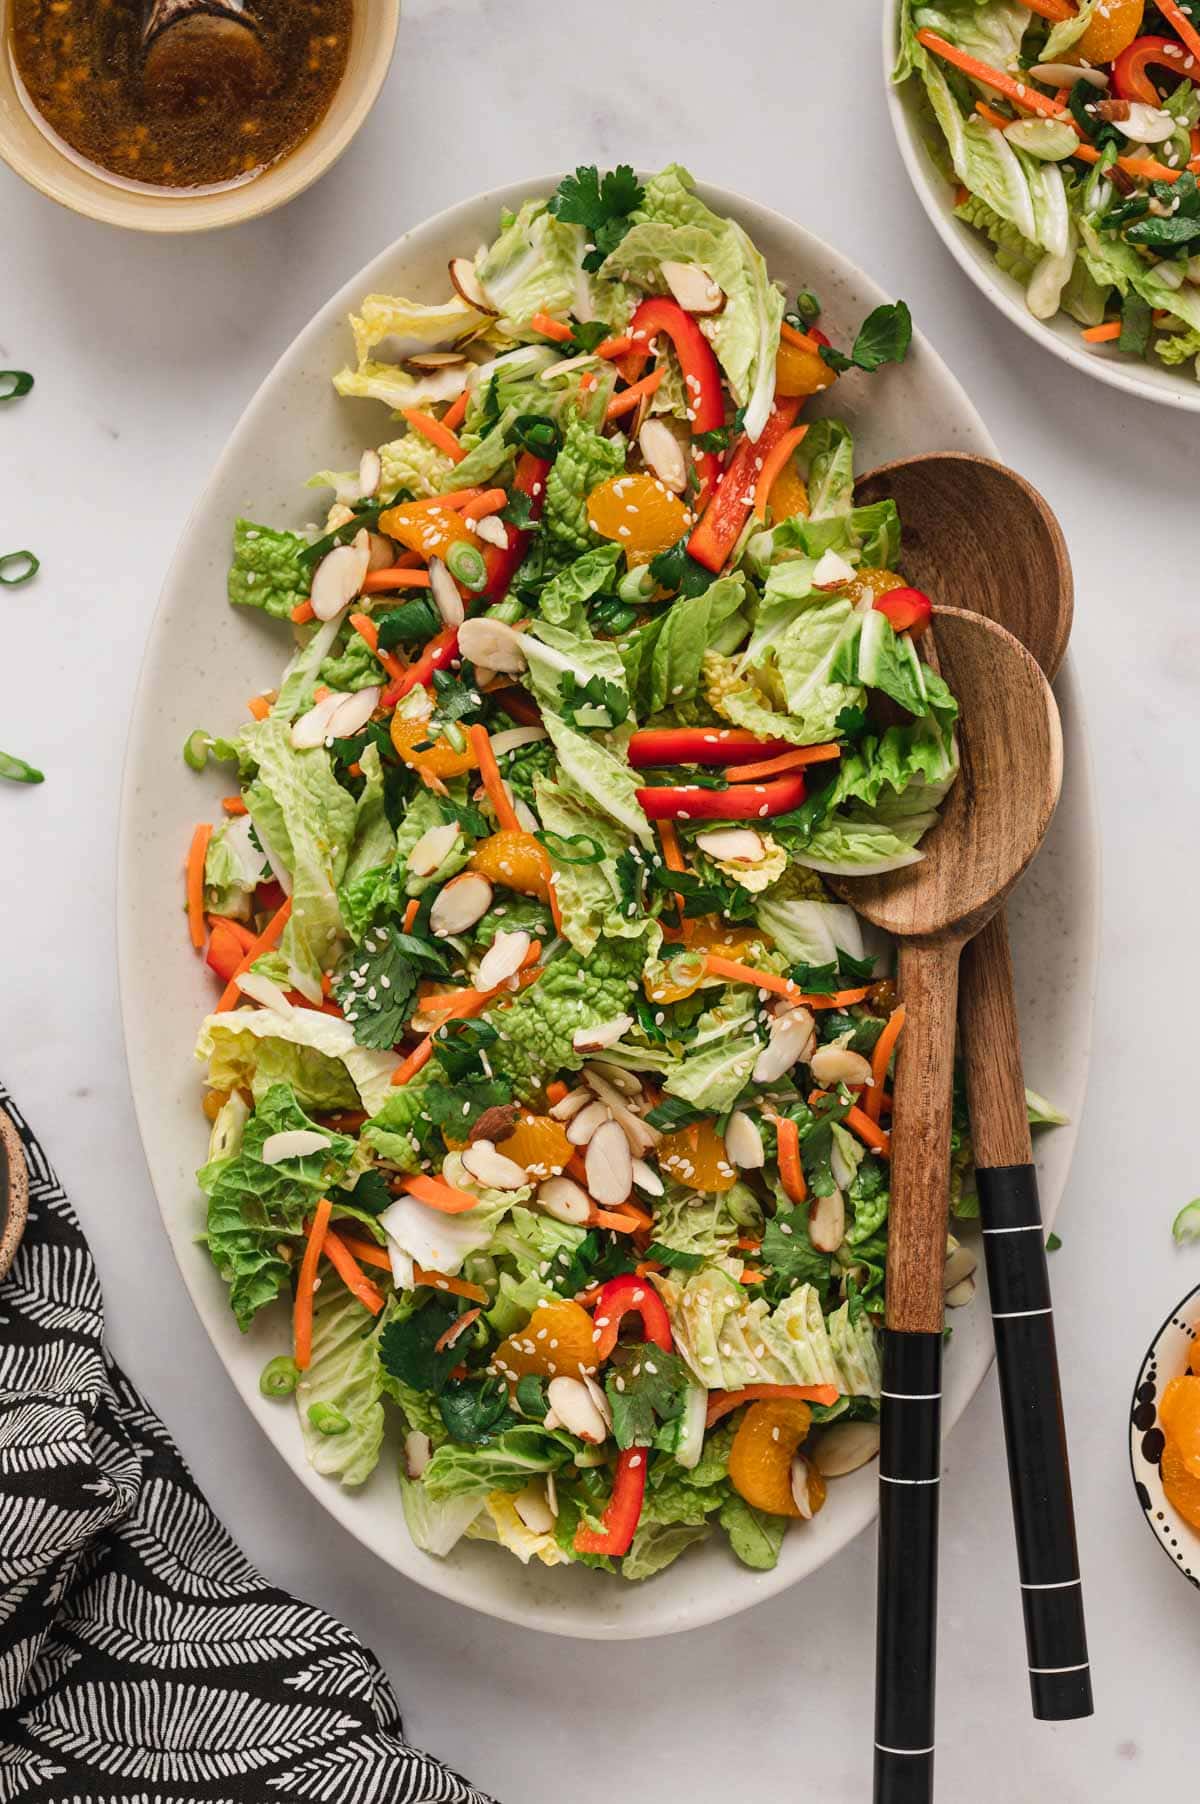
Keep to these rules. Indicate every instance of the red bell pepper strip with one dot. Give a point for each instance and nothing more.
(502, 565)
(719, 527)
(617, 1299)
(909, 610)
(700, 745)
(743, 802)
(1129, 78)
(701, 373)
(620, 1519)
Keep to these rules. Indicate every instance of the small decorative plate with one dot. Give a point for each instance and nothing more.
(1174, 1350)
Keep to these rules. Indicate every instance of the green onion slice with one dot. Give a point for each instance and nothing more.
(466, 562)
(22, 564)
(14, 384)
(196, 748)
(538, 433)
(560, 847)
(15, 770)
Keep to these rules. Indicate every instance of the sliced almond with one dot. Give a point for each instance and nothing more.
(605, 1033)
(293, 1143)
(468, 287)
(514, 737)
(845, 1446)
(744, 1142)
(435, 360)
(663, 455)
(565, 366)
(433, 848)
(418, 1451)
(961, 1263)
(833, 1065)
(827, 1222)
(692, 287)
(792, 1038)
(1065, 75)
(596, 1393)
(527, 820)
(370, 473)
(571, 1104)
(565, 1201)
(832, 572)
(446, 598)
(533, 1509)
(733, 845)
(647, 1179)
(802, 1495)
(339, 514)
(493, 643)
(492, 531)
(354, 711)
(459, 904)
(584, 1125)
(312, 729)
(627, 1082)
(960, 1294)
(1141, 123)
(840, 1166)
(503, 959)
(382, 553)
(492, 1169)
(640, 1136)
(609, 1165)
(571, 1401)
(338, 578)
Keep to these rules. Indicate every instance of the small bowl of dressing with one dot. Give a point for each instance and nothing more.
(183, 115)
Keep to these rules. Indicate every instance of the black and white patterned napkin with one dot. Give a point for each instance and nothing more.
(143, 1660)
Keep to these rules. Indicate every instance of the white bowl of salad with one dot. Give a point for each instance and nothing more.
(1056, 149)
(544, 1205)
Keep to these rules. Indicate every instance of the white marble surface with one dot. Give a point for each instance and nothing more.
(145, 352)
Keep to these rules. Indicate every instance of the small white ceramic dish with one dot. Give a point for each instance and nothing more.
(204, 658)
(1174, 1350)
(973, 253)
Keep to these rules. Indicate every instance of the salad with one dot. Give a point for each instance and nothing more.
(1071, 132)
(548, 1079)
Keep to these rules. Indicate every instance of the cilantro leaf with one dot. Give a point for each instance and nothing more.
(883, 337)
(586, 335)
(600, 203)
(676, 570)
(851, 723)
(377, 985)
(460, 1108)
(408, 1349)
(417, 619)
(460, 1047)
(791, 1255)
(519, 512)
(645, 1386)
(672, 1113)
(370, 1195)
(597, 692)
(476, 1413)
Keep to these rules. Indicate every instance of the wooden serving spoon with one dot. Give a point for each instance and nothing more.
(991, 824)
(978, 532)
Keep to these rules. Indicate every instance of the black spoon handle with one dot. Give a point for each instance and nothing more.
(906, 1634)
(1036, 1439)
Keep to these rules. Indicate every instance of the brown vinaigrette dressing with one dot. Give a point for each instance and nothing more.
(209, 102)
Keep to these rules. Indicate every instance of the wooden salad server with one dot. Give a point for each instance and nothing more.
(978, 533)
(992, 822)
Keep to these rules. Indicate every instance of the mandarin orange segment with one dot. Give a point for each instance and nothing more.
(789, 494)
(639, 513)
(1181, 1486)
(801, 370)
(429, 531)
(695, 1156)
(1179, 1413)
(539, 1143)
(760, 1460)
(871, 582)
(672, 979)
(556, 1342)
(1111, 30)
(441, 759)
(516, 860)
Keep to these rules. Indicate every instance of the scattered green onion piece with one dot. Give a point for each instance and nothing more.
(637, 585)
(279, 1377)
(454, 736)
(15, 770)
(613, 615)
(28, 566)
(1186, 1225)
(466, 563)
(531, 1399)
(559, 846)
(14, 384)
(327, 1418)
(196, 748)
(808, 306)
(509, 611)
(538, 433)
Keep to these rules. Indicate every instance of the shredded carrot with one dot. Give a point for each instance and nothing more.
(269, 937)
(350, 1272)
(1143, 169)
(396, 576)
(460, 1004)
(411, 913)
(793, 760)
(416, 1061)
(647, 1266)
(1057, 10)
(720, 1403)
(614, 347)
(556, 1091)
(746, 1243)
(550, 328)
(493, 783)
(456, 413)
(233, 805)
(1021, 92)
(880, 1059)
(801, 340)
(791, 1171)
(751, 1275)
(630, 397)
(302, 1309)
(259, 706)
(1101, 335)
(440, 1195)
(961, 194)
(435, 432)
(457, 1287)
(628, 1219)
(197, 853)
(456, 1329)
(587, 1299)
(453, 498)
(367, 630)
(869, 1132)
(489, 502)
(772, 464)
(302, 613)
(672, 856)
(241, 934)
(366, 1251)
(735, 972)
(992, 116)
(1183, 25)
